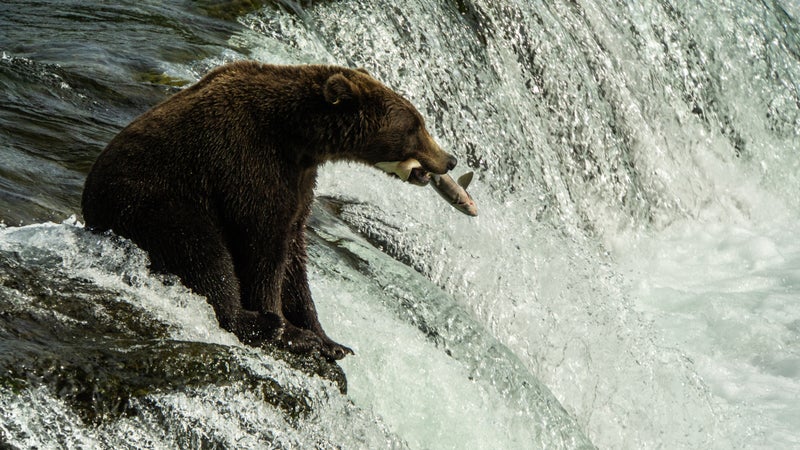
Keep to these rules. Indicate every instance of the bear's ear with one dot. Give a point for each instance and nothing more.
(338, 89)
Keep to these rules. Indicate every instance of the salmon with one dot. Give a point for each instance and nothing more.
(456, 192)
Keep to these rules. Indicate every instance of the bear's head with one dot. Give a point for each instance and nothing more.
(391, 133)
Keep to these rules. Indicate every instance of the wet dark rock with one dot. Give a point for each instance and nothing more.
(103, 355)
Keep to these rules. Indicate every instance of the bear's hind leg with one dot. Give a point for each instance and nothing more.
(187, 243)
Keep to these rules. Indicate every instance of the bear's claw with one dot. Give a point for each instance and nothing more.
(335, 351)
(300, 341)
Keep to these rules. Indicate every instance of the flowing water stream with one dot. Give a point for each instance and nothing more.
(632, 281)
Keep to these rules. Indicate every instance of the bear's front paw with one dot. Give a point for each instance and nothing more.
(334, 350)
(253, 328)
(298, 340)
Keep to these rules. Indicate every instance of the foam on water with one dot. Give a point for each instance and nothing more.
(727, 296)
(101, 260)
(434, 388)
(400, 376)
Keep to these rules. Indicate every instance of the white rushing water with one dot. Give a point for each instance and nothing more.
(632, 281)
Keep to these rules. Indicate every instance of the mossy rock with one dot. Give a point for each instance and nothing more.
(101, 382)
(103, 355)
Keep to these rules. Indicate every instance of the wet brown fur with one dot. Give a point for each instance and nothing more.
(216, 184)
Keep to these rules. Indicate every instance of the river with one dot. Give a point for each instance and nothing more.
(632, 280)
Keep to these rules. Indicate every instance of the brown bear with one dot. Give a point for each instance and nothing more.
(216, 184)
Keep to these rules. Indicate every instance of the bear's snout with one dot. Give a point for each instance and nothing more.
(451, 162)
(440, 164)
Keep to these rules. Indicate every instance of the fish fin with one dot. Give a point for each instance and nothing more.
(465, 180)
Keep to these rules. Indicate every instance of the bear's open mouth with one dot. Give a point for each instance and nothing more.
(419, 176)
(409, 170)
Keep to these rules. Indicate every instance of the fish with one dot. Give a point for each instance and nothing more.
(456, 192)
